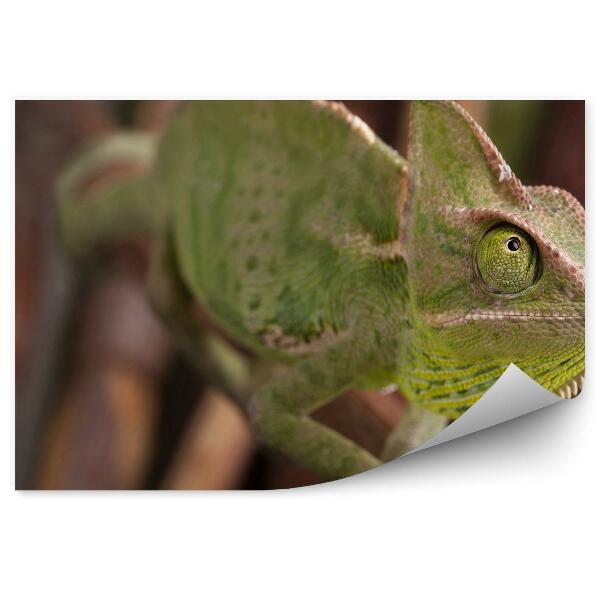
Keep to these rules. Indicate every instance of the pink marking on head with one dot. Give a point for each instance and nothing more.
(553, 255)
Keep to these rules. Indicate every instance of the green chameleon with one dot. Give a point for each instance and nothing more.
(336, 263)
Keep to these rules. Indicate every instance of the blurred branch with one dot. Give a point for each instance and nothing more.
(365, 416)
(216, 449)
(47, 134)
(101, 435)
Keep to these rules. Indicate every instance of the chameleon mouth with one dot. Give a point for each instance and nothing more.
(445, 319)
(571, 388)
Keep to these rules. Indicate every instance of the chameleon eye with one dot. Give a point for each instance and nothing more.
(507, 260)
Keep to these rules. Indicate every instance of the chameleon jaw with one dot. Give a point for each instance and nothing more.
(445, 320)
(571, 388)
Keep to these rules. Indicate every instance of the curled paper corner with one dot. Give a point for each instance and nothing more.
(513, 395)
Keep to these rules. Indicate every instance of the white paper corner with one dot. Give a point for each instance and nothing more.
(514, 394)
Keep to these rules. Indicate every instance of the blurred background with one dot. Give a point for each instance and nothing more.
(103, 399)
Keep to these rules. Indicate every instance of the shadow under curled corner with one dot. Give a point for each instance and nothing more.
(513, 395)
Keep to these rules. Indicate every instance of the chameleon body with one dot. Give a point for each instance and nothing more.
(319, 248)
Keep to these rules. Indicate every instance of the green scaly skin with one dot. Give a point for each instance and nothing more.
(313, 244)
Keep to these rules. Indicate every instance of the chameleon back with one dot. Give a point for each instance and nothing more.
(281, 214)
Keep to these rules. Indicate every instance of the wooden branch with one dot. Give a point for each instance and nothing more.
(216, 450)
(101, 436)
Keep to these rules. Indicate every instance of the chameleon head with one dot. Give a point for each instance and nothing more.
(496, 268)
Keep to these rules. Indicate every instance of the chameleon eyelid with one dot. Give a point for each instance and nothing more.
(491, 290)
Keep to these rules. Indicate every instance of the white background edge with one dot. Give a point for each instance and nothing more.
(508, 512)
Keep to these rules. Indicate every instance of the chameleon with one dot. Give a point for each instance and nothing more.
(334, 262)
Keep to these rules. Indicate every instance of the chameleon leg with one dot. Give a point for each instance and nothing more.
(281, 411)
(212, 356)
(108, 194)
(279, 408)
(416, 426)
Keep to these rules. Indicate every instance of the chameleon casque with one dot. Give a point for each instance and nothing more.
(321, 250)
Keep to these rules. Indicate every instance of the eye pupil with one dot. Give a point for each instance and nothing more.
(513, 244)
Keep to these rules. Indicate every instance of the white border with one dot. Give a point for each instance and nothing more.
(511, 512)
